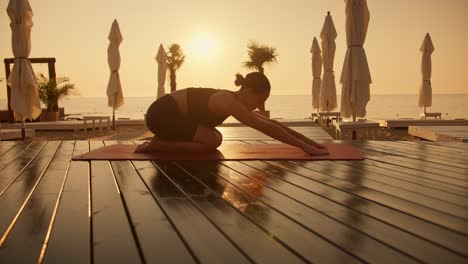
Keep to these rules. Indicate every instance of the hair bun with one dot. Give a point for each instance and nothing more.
(240, 80)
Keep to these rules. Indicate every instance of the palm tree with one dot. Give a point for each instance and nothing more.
(259, 55)
(51, 91)
(175, 59)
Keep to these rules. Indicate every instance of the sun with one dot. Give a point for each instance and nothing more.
(204, 45)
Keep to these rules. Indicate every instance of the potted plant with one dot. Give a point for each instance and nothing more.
(51, 92)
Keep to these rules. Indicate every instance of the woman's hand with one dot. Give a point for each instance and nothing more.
(313, 150)
(317, 145)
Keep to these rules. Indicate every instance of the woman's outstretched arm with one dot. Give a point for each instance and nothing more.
(294, 133)
(270, 128)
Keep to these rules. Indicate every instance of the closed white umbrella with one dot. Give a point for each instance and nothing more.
(328, 86)
(425, 91)
(316, 73)
(22, 80)
(114, 93)
(355, 77)
(161, 58)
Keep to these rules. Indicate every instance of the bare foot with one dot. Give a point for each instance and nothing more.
(142, 148)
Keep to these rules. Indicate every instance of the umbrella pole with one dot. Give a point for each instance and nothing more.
(354, 136)
(317, 121)
(328, 116)
(113, 118)
(23, 129)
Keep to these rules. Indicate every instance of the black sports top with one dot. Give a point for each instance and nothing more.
(197, 106)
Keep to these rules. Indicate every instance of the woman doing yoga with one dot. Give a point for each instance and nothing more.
(186, 120)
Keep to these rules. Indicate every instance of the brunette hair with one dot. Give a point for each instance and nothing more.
(256, 81)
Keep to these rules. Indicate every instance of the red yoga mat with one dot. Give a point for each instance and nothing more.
(227, 152)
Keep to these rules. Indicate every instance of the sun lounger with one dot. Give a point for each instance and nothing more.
(434, 115)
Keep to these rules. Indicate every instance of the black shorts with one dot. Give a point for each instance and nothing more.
(164, 119)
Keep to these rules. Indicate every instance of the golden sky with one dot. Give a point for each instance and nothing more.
(214, 35)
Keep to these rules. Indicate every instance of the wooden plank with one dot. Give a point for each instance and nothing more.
(438, 152)
(401, 180)
(403, 123)
(454, 185)
(113, 240)
(10, 150)
(353, 186)
(247, 198)
(431, 150)
(364, 247)
(440, 157)
(366, 179)
(158, 239)
(440, 133)
(5, 146)
(331, 189)
(422, 165)
(393, 149)
(446, 148)
(436, 174)
(394, 237)
(207, 244)
(15, 160)
(450, 204)
(26, 238)
(415, 160)
(70, 238)
(254, 241)
(61, 125)
(460, 146)
(439, 189)
(14, 199)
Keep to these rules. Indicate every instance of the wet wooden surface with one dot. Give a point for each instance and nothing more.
(440, 133)
(406, 203)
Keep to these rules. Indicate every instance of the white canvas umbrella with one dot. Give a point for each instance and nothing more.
(328, 86)
(316, 73)
(355, 77)
(22, 80)
(425, 91)
(161, 58)
(114, 87)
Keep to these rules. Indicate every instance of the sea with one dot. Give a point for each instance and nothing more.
(283, 106)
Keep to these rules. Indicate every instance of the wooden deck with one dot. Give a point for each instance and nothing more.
(440, 133)
(406, 203)
(74, 125)
(9, 134)
(404, 123)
